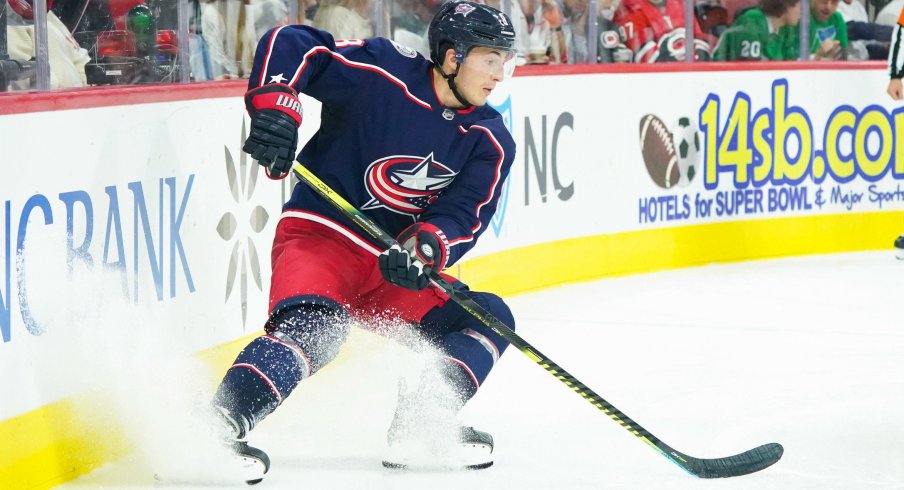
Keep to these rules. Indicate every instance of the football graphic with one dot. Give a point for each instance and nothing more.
(658, 151)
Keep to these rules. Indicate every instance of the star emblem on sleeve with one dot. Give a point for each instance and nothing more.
(278, 78)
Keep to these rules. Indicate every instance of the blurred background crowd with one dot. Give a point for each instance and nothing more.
(104, 42)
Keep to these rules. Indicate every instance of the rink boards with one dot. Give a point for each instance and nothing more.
(131, 216)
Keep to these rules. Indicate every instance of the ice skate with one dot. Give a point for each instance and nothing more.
(249, 463)
(470, 449)
(899, 248)
(425, 435)
(253, 463)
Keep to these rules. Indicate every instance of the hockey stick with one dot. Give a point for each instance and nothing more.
(740, 464)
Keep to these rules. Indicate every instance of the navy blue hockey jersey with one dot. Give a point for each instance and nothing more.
(385, 142)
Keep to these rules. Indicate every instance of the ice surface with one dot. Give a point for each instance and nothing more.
(713, 360)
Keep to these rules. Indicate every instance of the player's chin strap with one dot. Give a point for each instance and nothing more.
(740, 464)
(450, 79)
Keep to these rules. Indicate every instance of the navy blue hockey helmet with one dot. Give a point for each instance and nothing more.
(464, 25)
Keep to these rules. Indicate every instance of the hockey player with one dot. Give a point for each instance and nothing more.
(896, 71)
(411, 143)
(761, 33)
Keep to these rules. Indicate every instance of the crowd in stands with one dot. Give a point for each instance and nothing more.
(97, 42)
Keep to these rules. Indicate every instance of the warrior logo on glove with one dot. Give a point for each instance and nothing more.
(406, 184)
(289, 102)
(275, 117)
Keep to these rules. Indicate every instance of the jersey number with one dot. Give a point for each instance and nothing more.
(750, 49)
(627, 30)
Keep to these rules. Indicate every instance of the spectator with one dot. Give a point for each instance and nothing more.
(762, 33)
(307, 9)
(828, 31)
(220, 42)
(492, 3)
(610, 42)
(538, 31)
(410, 20)
(867, 40)
(67, 58)
(230, 31)
(888, 14)
(344, 19)
(654, 31)
(734, 8)
(712, 16)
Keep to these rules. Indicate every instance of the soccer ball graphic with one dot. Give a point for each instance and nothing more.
(687, 149)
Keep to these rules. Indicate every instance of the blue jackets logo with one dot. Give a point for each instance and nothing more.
(406, 184)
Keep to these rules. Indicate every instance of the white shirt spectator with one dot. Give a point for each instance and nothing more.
(531, 39)
(67, 58)
(888, 16)
(852, 10)
(342, 22)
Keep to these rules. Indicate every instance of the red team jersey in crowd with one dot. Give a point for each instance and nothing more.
(385, 142)
(657, 33)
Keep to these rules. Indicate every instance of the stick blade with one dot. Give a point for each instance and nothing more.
(744, 463)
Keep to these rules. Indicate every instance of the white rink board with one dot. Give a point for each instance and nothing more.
(134, 164)
(164, 166)
(598, 149)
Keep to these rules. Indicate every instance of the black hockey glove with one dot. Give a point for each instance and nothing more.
(422, 247)
(275, 117)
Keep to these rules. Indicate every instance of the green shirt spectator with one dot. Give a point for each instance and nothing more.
(828, 31)
(755, 35)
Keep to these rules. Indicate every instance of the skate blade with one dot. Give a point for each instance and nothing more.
(399, 466)
(252, 470)
(899, 253)
(415, 457)
(240, 469)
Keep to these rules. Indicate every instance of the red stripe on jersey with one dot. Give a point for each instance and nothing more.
(357, 240)
(269, 53)
(463, 239)
(496, 177)
(355, 64)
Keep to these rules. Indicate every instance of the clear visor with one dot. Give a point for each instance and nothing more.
(496, 62)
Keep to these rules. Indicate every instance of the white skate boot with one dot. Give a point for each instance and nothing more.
(425, 435)
(251, 463)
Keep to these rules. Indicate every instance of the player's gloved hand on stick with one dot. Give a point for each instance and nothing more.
(275, 117)
(421, 247)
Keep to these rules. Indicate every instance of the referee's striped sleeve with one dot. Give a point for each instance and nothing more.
(896, 53)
